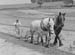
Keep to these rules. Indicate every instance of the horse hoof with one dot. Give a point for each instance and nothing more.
(36, 43)
(52, 45)
(47, 46)
(18, 38)
(25, 40)
(60, 45)
(30, 42)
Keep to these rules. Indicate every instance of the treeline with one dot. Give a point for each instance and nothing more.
(35, 1)
(66, 1)
(40, 2)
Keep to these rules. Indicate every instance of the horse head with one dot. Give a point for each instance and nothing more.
(63, 18)
(51, 25)
(48, 24)
(59, 20)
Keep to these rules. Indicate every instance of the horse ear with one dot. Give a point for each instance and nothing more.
(64, 14)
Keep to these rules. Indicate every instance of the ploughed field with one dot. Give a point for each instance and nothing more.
(8, 17)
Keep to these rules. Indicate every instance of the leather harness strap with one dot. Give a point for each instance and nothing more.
(44, 28)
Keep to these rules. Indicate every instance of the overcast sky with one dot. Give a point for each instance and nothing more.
(13, 1)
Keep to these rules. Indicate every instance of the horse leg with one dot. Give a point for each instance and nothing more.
(47, 41)
(49, 38)
(38, 39)
(31, 37)
(42, 40)
(55, 41)
(60, 42)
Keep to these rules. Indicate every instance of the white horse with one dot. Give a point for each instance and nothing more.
(46, 25)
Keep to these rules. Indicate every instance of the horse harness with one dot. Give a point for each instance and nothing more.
(44, 27)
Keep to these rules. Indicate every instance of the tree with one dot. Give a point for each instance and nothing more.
(72, 2)
(33, 1)
(47, 0)
(40, 2)
(69, 2)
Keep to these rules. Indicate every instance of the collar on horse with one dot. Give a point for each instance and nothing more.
(44, 27)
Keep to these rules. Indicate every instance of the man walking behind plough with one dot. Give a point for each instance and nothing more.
(17, 25)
